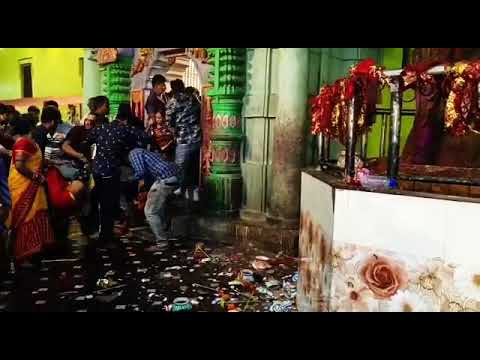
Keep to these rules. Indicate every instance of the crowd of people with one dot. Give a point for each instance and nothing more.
(99, 172)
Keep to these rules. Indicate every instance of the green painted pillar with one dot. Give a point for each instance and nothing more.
(224, 185)
(289, 135)
(91, 78)
(116, 83)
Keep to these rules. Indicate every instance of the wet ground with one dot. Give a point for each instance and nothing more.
(191, 275)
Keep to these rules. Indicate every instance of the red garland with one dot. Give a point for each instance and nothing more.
(330, 107)
(322, 107)
(462, 102)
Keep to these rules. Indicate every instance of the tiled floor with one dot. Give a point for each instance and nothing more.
(150, 281)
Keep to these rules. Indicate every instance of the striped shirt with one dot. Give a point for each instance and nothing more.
(149, 164)
(5, 198)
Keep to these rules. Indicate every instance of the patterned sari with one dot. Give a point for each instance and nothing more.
(29, 216)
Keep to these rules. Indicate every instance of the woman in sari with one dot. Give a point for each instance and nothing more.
(29, 220)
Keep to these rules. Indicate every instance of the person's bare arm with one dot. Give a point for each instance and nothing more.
(70, 151)
(20, 165)
(4, 151)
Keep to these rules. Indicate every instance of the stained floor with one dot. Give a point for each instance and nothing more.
(207, 275)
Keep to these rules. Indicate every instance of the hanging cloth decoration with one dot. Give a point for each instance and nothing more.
(423, 140)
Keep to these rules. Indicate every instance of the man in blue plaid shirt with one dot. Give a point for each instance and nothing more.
(148, 165)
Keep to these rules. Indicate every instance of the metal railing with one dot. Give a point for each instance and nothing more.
(394, 136)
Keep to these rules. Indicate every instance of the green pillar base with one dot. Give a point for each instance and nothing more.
(224, 193)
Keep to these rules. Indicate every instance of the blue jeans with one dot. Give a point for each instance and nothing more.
(156, 207)
(187, 157)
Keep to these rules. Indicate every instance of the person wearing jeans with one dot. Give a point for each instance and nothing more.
(183, 115)
(150, 165)
(110, 142)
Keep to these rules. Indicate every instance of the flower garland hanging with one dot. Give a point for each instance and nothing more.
(462, 102)
(330, 107)
(364, 81)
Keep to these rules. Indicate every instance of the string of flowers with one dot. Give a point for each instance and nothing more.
(330, 107)
(462, 108)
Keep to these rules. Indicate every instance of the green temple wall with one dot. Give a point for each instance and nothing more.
(260, 108)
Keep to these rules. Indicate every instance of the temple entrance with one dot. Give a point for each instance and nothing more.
(187, 64)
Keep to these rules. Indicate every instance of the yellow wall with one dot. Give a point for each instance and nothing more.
(55, 72)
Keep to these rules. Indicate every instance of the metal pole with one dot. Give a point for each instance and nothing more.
(364, 147)
(350, 143)
(436, 70)
(327, 148)
(380, 150)
(384, 133)
(321, 148)
(395, 128)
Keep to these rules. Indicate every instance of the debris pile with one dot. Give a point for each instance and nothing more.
(187, 276)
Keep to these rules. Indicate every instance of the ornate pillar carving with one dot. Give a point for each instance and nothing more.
(224, 185)
(116, 83)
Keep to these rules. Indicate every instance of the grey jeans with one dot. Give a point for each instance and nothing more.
(156, 207)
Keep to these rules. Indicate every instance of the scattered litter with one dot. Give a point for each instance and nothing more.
(281, 306)
(59, 260)
(181, 304)
(262, 258)
(235, 283)
(165, 275)
(108, 298)
(173, 268)
(246, 275)
(260, 265)
(106, 283)
(272, 284)
(295, 276)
